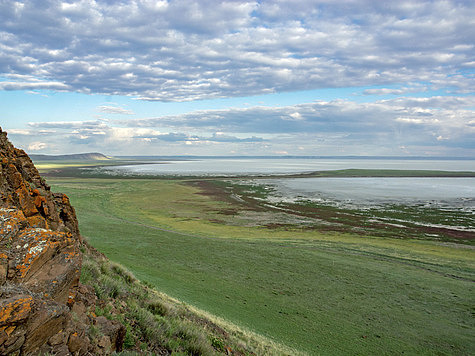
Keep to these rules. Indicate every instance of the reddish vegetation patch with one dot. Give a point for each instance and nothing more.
(228, 195)
(455, 234)
(208, 188)
(334, 219)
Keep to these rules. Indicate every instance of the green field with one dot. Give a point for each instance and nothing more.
(321, 292)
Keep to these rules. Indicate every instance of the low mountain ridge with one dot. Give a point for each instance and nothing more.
(92, 156)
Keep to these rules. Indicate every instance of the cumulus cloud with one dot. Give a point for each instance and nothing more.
(92, 124)
(394, 91)
(399, 118)
(113, 138)
(221, 137)
(404, 125)
(180, 50)
(114, 110)
(37, 146)
(33, 85)
(183, 137)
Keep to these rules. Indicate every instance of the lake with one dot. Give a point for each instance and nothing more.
(454, 192)
(448, 192)
(241, 166)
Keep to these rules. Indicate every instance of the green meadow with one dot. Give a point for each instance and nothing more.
(316, 291)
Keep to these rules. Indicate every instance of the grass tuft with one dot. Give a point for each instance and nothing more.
(123, 272)
(158, 307)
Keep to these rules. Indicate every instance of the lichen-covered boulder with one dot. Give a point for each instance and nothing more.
(43, 307)
(22, 188)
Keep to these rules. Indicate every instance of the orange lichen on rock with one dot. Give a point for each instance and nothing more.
(65, 199)
(26, 202)
(38, 221)
(38, 245)
(16, 310)
(8, 330)
(70, 255)
(71, 298)
(11, 220)
(14, 176)
(39, 200)
(40, 263)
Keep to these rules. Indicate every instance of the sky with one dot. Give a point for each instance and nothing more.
(208, 77)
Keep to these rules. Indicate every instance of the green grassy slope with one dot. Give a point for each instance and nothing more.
(156, 324)
(320, 293)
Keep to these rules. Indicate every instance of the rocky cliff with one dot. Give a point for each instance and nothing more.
(43, 307)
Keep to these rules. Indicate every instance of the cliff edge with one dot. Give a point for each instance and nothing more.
(43, 307)
(46, 310)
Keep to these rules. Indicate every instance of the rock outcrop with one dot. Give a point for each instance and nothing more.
(43, 307)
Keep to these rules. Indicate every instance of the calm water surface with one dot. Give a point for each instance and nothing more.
(283, 166)
(457, 192)
(449, 191)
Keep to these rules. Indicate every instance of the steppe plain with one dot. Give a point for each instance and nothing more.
(318, 279)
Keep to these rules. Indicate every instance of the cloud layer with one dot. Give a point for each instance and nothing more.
(186, 50)
(440, 125)
(413, 59)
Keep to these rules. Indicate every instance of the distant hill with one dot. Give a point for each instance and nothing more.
(93, 156)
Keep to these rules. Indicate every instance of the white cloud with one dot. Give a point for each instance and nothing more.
(33, 85)
(19, 131)
(385, 117)
(189, 50)
(444, 125)
(186, 50)
(97, 124)
(385, 91)
(28, 132)
(37, 146)
(114, 110)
